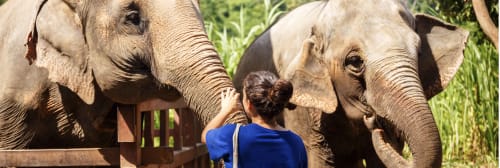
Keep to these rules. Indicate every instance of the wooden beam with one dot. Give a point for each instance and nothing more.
(188, 154)
(158, 155)
(158, 104)
(129, 155)
(60, 157)
(79, 157)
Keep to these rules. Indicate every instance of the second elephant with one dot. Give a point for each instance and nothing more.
(350, 59)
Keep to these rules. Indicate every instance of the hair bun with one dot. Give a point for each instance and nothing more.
(281, 92)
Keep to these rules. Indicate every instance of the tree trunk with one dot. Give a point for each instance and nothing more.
(485, 21)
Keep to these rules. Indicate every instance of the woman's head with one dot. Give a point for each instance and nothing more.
(268, 94)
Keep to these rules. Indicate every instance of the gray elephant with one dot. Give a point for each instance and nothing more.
(87, 56)
(355, 59)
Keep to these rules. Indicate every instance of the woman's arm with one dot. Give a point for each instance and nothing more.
(229, 104)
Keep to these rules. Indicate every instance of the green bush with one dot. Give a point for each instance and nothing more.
(232, 36)
(467, 111)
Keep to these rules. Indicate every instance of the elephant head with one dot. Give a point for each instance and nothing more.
(129, 51)
(376, 58)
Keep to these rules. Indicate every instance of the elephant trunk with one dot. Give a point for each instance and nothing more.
(402, 102)
(185, 59)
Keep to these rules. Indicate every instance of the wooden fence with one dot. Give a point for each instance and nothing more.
(135, 125)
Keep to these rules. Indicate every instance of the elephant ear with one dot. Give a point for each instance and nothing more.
(196, 4)
(32, 37)
(56, 43)
(310, 78)
(441, 52)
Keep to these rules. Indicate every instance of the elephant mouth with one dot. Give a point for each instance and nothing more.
(369, 111)
(366, 108)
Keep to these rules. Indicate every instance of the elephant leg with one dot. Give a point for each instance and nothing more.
(320, 151)
(306, 123)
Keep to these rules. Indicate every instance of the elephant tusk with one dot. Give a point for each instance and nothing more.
(370, 118)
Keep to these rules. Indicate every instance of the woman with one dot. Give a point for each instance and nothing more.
(263, 143)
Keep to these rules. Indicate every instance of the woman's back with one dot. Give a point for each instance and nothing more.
(258, 147)
(262, 147)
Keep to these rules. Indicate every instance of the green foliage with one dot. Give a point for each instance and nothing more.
(232, 37)
(460, 10)
(294, 3)
(457, 12)
(466, 112)
(2, 1)
(226, 13)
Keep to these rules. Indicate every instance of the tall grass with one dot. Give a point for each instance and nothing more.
(466, 112)
(231, 48)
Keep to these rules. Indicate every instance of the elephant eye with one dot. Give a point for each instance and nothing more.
(133, 17)
(133, 22)
(354, 63)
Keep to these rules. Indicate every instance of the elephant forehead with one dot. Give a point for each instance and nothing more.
(368, 6)
(377, 27)
(349, 11)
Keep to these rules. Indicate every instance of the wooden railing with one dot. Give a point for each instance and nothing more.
(135, 125)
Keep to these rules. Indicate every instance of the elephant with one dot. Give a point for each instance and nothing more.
(362, 73)
(67, 64)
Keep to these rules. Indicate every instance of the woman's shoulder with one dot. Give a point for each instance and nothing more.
(295, 137)
(228, 127)
(223, 131)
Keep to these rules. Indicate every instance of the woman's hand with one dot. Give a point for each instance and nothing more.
(229, 104)
(229, 101)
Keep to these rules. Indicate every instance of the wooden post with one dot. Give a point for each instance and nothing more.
(138, 138)
(187, 129)
(164, 127)
(149, 128)
(128, 136)
(177, 131)
(204, 160)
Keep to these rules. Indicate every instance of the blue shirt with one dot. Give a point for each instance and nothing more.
(257, 147)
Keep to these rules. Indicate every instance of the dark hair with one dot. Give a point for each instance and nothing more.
(268, 94)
